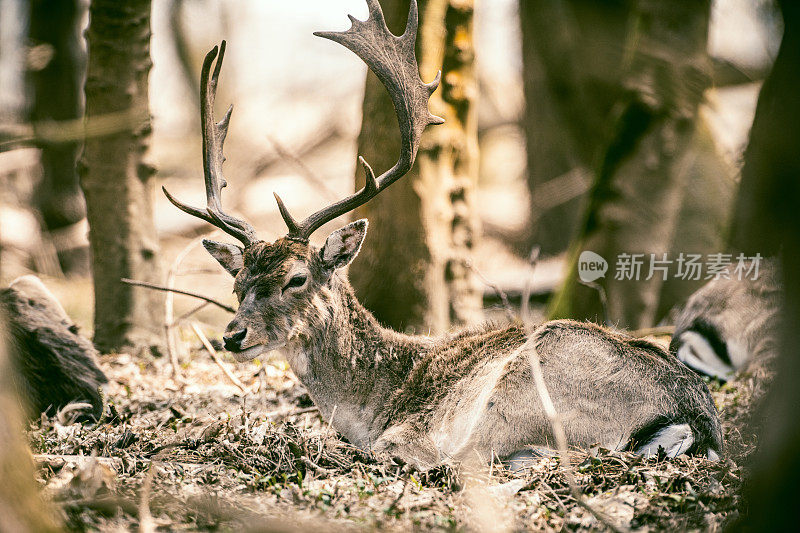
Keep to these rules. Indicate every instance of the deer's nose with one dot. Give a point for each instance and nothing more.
(233, 340)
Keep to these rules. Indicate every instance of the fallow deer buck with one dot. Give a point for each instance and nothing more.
(427, 400)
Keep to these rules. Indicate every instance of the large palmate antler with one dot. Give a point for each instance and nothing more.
(392, 59)
(213, 139)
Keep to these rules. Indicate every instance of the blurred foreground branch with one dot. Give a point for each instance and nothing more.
(156, 287)
(52, 131)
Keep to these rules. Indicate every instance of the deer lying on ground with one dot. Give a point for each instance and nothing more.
(731, 322)
(427, 400)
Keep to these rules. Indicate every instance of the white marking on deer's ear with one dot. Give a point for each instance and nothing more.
(697, 353)
(343, 245)
(229, 256)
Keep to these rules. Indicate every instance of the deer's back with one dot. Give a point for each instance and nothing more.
(476, 390)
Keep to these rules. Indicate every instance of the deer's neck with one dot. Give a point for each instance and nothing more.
(347, 360)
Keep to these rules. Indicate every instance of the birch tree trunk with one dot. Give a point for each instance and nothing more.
(117, 180)
(413, 271)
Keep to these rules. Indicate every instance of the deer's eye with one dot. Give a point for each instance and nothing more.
(296, 281)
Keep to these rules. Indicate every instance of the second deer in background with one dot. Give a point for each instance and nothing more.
(731, 322)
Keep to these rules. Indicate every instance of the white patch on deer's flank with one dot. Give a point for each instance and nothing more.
(696, 352)
(459, 423)
(675, 440)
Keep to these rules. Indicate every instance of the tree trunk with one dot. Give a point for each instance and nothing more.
(118, 181)
(640, 185)
(58, 95)
(704, 220)
(414, 272)
(572, 78)
(767, 221)
(13, 24)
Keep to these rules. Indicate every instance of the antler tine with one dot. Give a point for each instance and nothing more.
(394, 62)
(213, 139)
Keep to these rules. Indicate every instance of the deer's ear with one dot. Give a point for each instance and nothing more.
(342, 246)
(229, 256)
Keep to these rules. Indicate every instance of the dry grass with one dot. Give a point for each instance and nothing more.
(220, 460)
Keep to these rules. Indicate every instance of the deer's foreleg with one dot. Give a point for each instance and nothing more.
(408, 444)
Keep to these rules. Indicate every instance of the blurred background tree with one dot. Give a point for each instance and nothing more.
(414, 269)
(118, 179)
(767, 220)
(57, 76)
(572, 60)
(655, 157)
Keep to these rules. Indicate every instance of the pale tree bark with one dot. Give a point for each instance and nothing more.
(640, 184)
(12, 66)
(12, 59)
(117, 180)
(414, 270)
(57, 96)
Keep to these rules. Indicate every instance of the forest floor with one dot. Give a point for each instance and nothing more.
(199, 453)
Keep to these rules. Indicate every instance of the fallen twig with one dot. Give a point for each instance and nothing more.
(316, 468)
(533, 258)
(500, 292)
(169, 309)
(215, 357)
(291, 412)
(555, 495)
(146, 523)
(59, 460)
(156, 287)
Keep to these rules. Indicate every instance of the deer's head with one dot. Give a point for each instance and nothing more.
(279, 284)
